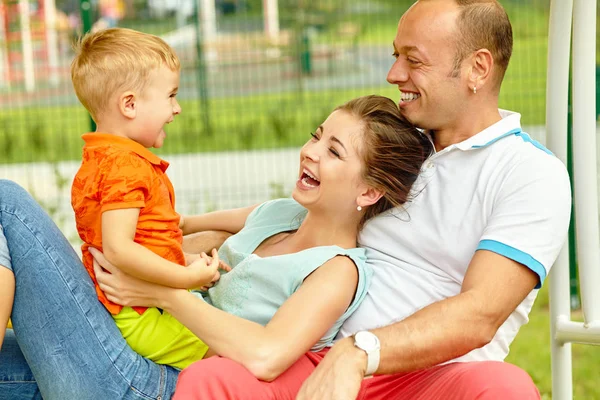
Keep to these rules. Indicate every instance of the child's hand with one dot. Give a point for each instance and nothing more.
(222, 266)
(190, 258)
(203, 270)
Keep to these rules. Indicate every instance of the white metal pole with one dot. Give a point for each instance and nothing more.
(584, 159)
(27, 46)
(271, 18)
(562, 360)
(51, 39)
(209, 20)
(4, 49)
(557, 95)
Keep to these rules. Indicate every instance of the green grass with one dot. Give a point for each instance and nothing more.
(531, 351)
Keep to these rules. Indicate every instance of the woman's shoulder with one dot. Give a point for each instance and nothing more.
(316, 257)
(278, 211)
(357, 255)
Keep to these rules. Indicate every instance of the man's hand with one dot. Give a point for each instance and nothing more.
(338, 376)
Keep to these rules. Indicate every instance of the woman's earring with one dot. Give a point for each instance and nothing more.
(474, 89)
(359, 208)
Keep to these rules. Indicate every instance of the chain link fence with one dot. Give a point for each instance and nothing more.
(257, 77)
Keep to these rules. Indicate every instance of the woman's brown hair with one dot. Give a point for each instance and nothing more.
(393, 150)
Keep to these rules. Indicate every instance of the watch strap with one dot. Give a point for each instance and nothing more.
(372, 362)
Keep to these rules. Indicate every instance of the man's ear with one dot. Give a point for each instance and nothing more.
(127, 105)
(369, 197)
(482, 63)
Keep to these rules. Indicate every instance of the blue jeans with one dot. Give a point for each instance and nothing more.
(66, 338)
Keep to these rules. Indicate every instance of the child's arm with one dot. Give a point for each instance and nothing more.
(118, 232)
(7, 292)
(227, 220)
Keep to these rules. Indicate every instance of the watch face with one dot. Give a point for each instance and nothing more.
(366, 340)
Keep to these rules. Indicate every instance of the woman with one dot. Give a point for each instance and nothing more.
(362, 161)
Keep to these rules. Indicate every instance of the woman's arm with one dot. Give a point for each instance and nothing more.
(7, 293)
(265, 351)
(231, 221)
(118, 232)
(199, 242)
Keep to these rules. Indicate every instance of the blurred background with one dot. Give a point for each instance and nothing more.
(257, 77)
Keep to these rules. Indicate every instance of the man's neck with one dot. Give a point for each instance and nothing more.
(465, 128)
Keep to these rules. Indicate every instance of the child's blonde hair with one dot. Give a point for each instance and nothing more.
(116, 59)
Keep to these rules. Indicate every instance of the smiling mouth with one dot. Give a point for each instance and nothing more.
(308, 179)
(407, 97)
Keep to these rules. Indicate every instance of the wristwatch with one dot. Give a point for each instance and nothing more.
(369, 343)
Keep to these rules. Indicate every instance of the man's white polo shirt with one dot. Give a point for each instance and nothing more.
(499, 191)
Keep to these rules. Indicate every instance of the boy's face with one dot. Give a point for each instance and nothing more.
(156, 107)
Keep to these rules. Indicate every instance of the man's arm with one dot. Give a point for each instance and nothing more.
(7, 292)
(492, 289)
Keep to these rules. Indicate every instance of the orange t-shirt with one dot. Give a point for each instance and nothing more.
(118, 173)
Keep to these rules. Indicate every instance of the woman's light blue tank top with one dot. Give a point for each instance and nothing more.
(257, 286)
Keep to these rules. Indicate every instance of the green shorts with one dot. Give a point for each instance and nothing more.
(160, 337)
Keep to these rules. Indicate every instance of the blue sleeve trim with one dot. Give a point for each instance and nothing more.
(516, 255)
(512, 132)
(528, 139)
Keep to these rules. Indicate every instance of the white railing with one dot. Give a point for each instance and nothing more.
(581, 16)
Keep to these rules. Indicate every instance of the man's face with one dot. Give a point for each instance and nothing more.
(431, 92)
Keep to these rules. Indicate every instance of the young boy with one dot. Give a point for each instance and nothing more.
(123, 201)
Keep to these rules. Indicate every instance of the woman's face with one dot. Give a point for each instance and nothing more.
(330, 166)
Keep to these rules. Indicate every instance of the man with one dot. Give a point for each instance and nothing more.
(454, 279)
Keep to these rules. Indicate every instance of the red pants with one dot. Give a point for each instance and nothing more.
(220, 378)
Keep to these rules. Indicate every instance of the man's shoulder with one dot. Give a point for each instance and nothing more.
(521, 151)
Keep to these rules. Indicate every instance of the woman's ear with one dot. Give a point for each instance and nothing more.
(127, 105)
(369, 197)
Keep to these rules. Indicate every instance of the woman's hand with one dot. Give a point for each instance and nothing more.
(126, 290)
